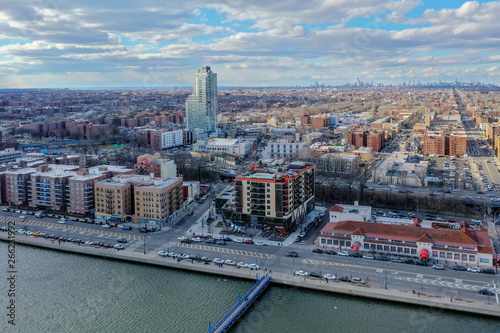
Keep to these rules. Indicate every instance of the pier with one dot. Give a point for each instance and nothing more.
(243, 303)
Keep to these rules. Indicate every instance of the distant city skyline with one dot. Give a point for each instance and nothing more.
(67, 44)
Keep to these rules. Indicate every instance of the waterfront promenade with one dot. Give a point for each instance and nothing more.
(279, 277)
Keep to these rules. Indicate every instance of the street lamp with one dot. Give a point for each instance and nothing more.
(385, 277)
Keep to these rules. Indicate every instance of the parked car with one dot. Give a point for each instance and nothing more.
(344, 279)
(218, 261)
(458, 268)
(121, 240)
(329, 276)
(254, 266)
(488, 271)
(356, 255)
(331, 252)
(162, 253)
(302, 273)
(119, 246)
(486, 292)
(421, 263)
(409, 261)
(206, 259)
(438, 266)
(344, 254)
(382, 258)
(248, 241)
(474, 269)
(397, 260)
(242, 265)
(368, 256)
(230, 262)
(220, 242)
(126, 227)
(239, 240)
(358, 280)
(318, 251)
(315, 275)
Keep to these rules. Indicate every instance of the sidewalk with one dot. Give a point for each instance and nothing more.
(200, 228)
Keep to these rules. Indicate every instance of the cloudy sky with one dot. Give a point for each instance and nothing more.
(149, 43)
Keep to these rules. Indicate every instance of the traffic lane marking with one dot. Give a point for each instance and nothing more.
(440, 283)
(330, 263)
(224, 250)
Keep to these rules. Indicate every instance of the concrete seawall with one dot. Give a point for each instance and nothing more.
(391, 295)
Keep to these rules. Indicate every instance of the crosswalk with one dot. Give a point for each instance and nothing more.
(300, 246)
(20, 223)
(226, 250)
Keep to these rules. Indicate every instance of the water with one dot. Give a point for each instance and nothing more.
(60, 292)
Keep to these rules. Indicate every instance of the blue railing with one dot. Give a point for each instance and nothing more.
(248, 298)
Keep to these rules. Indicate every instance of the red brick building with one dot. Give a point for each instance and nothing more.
(375, 140)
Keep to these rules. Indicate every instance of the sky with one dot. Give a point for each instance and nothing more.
(153, 44)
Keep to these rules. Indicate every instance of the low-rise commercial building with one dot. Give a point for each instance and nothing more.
(464, 247)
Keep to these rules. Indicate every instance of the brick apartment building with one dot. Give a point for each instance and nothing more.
(374, 139)
(449, 145)
(274, 200)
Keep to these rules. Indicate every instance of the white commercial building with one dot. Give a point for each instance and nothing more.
(171, 139)
(9, 155)
(350, 213)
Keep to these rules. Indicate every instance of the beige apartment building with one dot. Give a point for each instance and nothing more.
(113, 200)
(157, 201)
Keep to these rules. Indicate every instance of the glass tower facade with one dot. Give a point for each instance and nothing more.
(201, 105)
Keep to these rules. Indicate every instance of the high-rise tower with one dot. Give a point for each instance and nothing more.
(201, 105)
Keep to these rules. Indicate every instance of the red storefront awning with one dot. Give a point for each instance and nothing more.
(355, 245)
(424, 253)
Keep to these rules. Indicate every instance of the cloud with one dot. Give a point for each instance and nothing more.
(252, 41)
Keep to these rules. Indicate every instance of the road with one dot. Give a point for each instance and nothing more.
(447, 283)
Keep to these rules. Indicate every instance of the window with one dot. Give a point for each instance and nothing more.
(456, 256)
(335, 242)
(400, 249)
(406, 250)
(348, 243)
(413, 251)
(434, 254)
(329, 241)
(449, 255)
(386, 248)
(438, 245)
(468, 248)
(393, 249)
(442, 254)
(484, 260)
(453, 247)
(472, 257)
(366, 246)
(379, 247)
(323, 241)
(464, 257)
